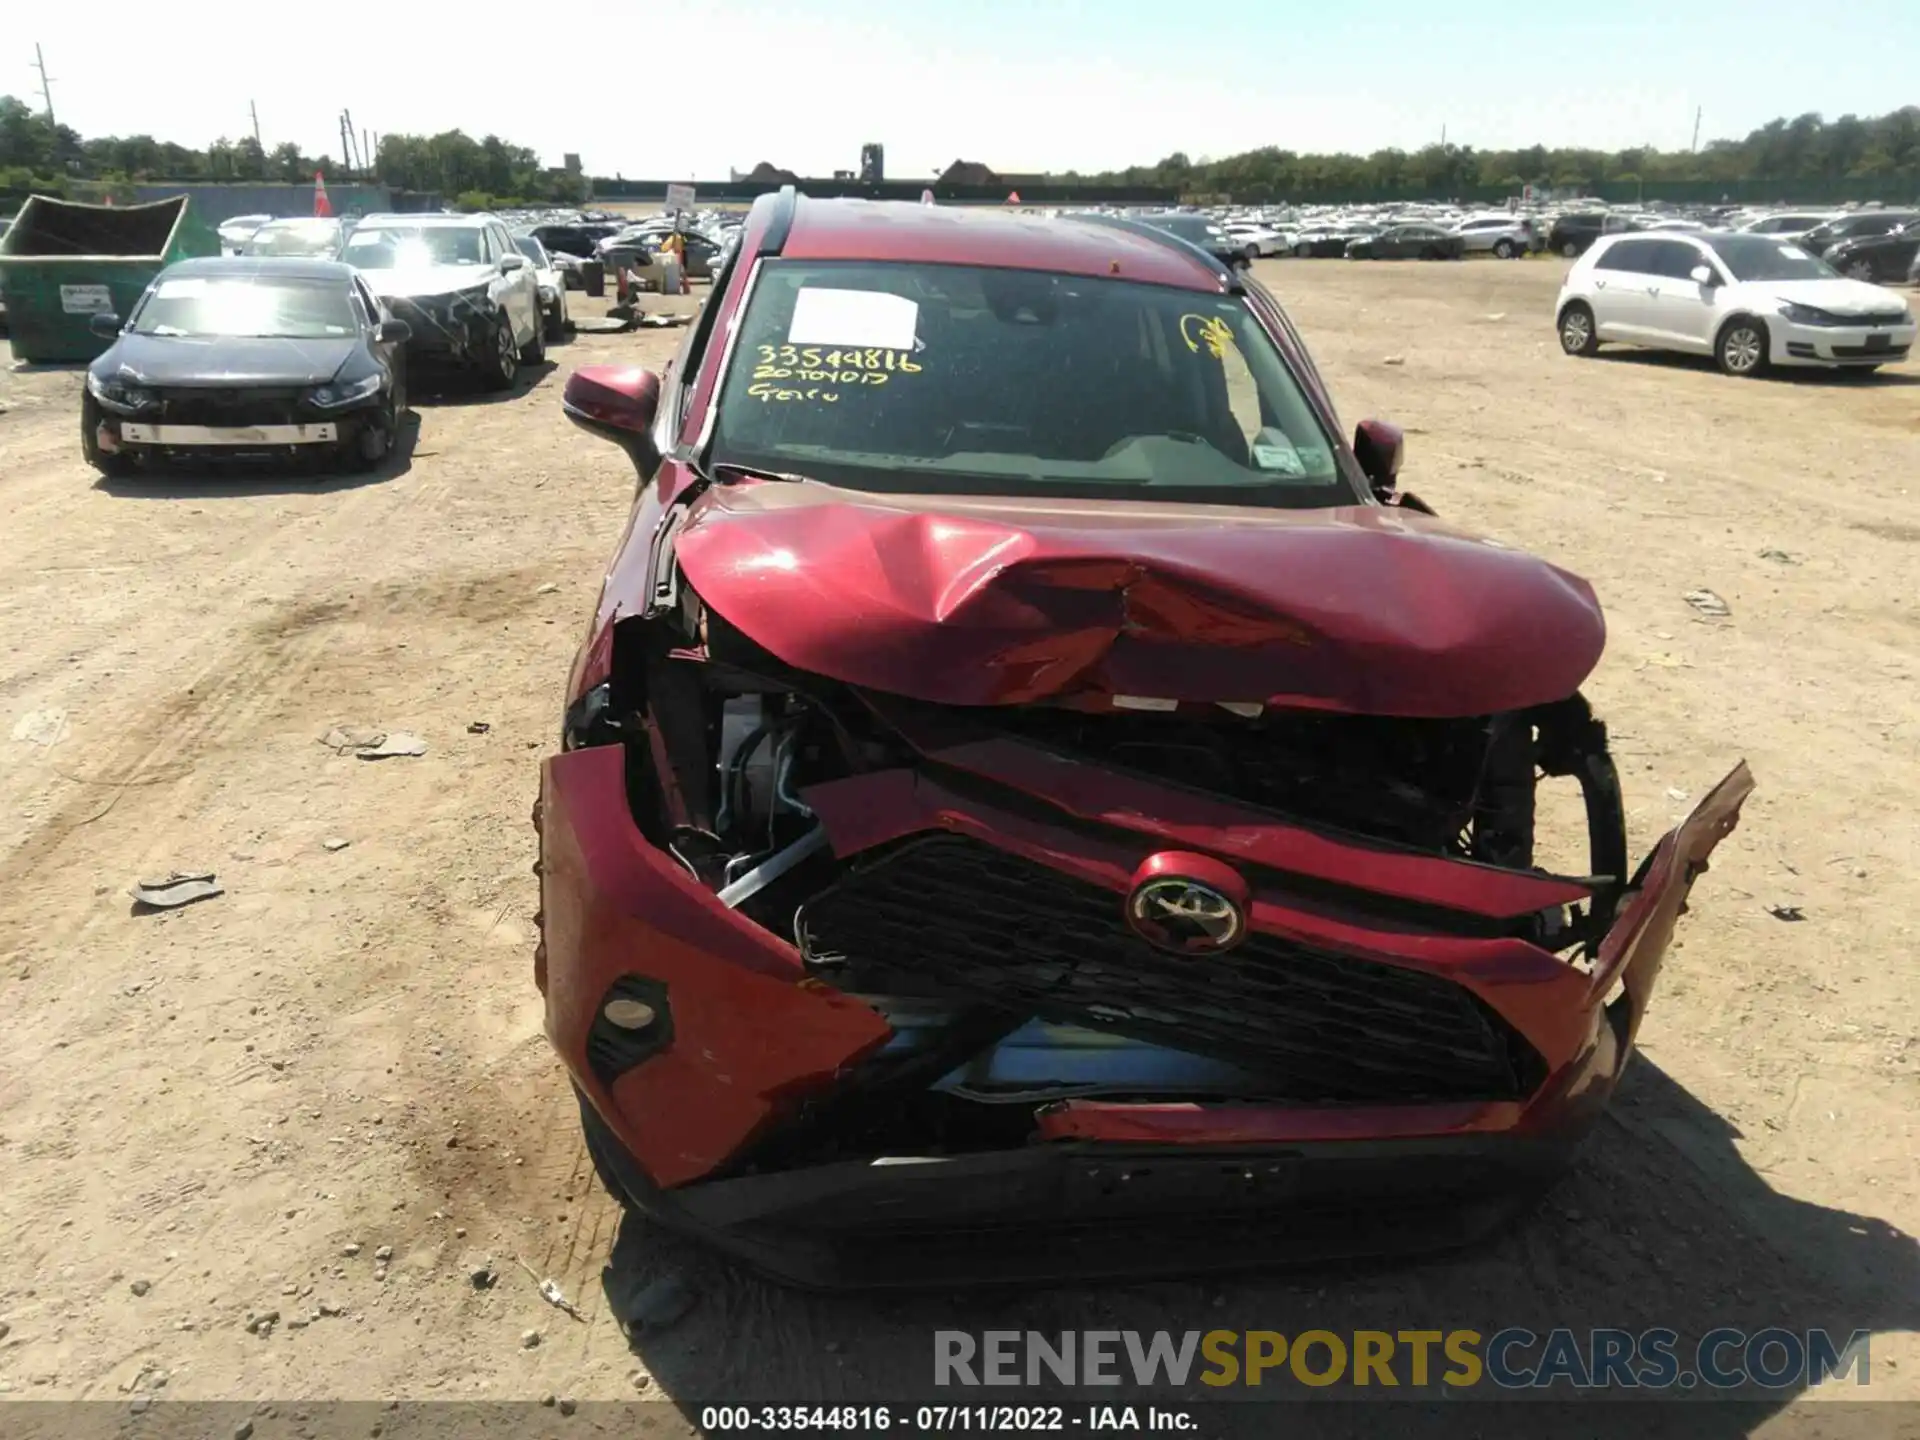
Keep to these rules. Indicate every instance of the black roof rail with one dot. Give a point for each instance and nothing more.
(781, 223)
(1148, 231)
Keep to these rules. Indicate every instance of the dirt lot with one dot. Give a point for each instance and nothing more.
(221, 1103)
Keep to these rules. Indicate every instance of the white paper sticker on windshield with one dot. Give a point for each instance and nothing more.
(183, 289)
(1281, 458)
(1792, 252)
(869, 319)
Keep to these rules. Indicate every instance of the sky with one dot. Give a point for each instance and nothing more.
(1021, 85)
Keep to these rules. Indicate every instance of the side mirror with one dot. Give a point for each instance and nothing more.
(1379, 447)
(105, 324)
(511, 263)
(617, 403)
(393, 332)
(1703, 275)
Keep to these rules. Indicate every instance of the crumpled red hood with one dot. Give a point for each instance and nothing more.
(993, 601)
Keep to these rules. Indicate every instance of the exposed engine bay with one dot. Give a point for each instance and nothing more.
(1009, 985)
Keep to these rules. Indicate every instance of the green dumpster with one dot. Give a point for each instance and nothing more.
(61, 262)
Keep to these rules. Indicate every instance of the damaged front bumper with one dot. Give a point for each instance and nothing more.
(1394, 1058)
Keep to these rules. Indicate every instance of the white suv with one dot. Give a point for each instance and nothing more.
(1747, 300)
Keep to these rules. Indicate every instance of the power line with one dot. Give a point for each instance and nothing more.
(46, 85)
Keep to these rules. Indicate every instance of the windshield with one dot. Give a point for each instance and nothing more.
(398, 247)
(530, 247)
(251, 306)
(309, 238)
(952, 379)
(1756, 257)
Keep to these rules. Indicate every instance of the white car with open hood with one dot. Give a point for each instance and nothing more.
(1748, 300)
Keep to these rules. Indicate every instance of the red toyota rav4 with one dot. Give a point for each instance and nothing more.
(1034, 800)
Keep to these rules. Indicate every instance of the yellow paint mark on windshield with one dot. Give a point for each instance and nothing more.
(1206, 332)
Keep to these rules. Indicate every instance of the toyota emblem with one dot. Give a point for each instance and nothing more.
(1188, 904)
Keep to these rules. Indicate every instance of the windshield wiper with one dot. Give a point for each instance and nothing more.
(754, 472)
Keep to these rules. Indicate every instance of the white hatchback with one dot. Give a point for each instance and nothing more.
(1747, 300)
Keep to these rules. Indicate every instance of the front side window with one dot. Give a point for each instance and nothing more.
(406, 247)
(1634, 256)
(962, 380)
(249, 306)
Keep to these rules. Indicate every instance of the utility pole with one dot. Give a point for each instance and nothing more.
(346, 145)
(1443, 135)
(254, 110)
(1698, 110)
(346, 119)
(366, 152)
(46, 85)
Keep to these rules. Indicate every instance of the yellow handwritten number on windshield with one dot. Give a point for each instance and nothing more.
(1208, 332)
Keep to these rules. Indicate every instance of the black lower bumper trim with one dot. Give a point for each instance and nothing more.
(1076, 1212)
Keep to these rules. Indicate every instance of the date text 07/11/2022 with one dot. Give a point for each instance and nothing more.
(942, 1419)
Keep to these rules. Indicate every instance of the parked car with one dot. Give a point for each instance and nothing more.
(1258, 242)
(467, 293)
(1786, 224)
(233, 233)
(246, 357)
(1202, 231)
(1330, 243)
(1408, 242)
(1748, 300)
(1505, 236)
(1860, 225)
(1005, 667)
(1883, 259)
(549, 283)
(1570, 235)
(311, 238)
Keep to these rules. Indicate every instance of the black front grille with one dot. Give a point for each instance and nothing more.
(1869, 352)
(1883, 317)
(983, 923)
(238, 406)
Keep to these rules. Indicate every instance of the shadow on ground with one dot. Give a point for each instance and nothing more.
(238, 479)
(446, 388)
(1661, 1224)
(1787, 374)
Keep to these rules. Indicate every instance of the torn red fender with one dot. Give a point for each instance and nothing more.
(751, 1034)
(1635, 946)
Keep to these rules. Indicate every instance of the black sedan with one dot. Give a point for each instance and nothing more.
(1859, 225)
(1409, 242)
(1330, 244)
(1882, 259)
(246, 357)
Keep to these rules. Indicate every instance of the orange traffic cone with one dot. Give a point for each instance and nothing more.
(321, 205)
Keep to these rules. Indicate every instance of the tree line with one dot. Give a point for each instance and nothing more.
(1806, 157)
(1807, 154)
(36, 155)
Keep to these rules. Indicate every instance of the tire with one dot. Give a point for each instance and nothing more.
(1252, 252)
(534, 352)
(556, 319)
(1741, 347)
(1579, 334)
(1503, 249)
(1303, 251)
(1570, 249)
(501, 366)
(112, 466)
(369, 449)
(605, 1150)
